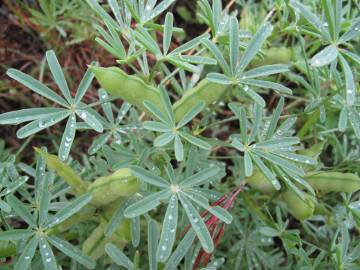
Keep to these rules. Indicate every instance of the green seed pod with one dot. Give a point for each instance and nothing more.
(281, 55)
(299, 209)
(205, 91)
(135, 91)
(260, 182)
(127, 87)
(95, 243)
(109, 188)
(65, 172)
(334, 181)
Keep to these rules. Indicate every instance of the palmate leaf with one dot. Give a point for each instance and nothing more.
(270, 149)
(43, 118)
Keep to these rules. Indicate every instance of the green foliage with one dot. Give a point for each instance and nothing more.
(170, 183)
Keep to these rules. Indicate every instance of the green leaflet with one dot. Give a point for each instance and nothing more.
(135, 91)
(334, 181)
(109, 188)
(299, 209)
(64, 171)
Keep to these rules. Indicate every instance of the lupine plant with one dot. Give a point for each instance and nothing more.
(230, 149)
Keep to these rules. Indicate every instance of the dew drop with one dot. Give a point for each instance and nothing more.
(41, 124)
(83, 114)
(48, 260)
(163, 248)
(27, 257)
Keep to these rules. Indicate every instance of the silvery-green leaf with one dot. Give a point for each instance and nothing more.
(36, 86)
(5, 207)
(191, 114)
(178, 148)
(117, 218)
(218, 55)
(325, 56)
(146, 204)
(268, 174)
(255, 96)
(197, 224)
(168, 231)
(275, 118)
(11, 187)
(219, 78)
(68, 137)
(90, 119)
(312, 18)
(354, 118)
(72, 251)
(200, 178)
(248, 164)
(189, 45)
(168, 29)
(267, 84)
(343, 119)
(58, 75)
(47, 255)
(277, 143)
(217, 211)
(21, 210)
(180, 63)
(106, 106)
(153, 237)
(135, 231)
(196, 59)
(118, 257)
(265, 71)
(84, 85)
(195, 141)
(238, 145)
(156, 126)
(164, 139)
(353, 32)
(254, 46)
(234, 44)
(349, 81)
(27, 254)
(149, 177)
(155, 111)
(181, 250)
(41, 123)
(21, 116)
(13, 235)
(296, 157)
(99, 142)
(70, 209)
